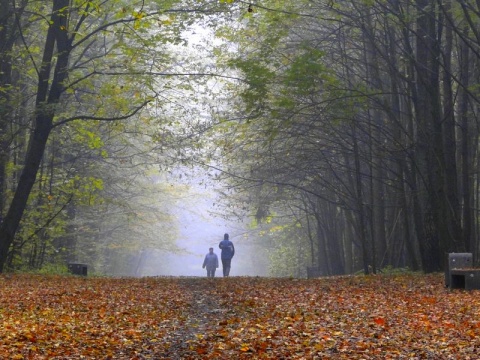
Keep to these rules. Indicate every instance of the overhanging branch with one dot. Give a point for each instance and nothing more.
(100, 118)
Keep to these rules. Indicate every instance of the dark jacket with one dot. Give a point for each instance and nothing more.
(228, 250)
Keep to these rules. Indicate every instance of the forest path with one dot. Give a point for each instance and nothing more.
(200, 318)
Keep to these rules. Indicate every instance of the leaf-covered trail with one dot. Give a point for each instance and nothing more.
(199, 318)
(376, 317)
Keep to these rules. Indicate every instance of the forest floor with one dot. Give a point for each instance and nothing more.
(353, 317)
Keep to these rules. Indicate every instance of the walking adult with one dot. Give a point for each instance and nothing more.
(228, 250)
(211, 263)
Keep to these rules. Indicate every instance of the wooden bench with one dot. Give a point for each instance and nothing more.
(468, 279)
(459, 272)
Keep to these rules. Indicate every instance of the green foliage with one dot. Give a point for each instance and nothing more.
(306, 72)
(115, 44)
(53, 269)
(390, 270)
(258, 78)
(285, 243)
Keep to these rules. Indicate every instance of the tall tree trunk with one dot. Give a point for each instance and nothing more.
(327, 218)
(375, 123)
(311, 240)
(368, 254)
(430, 158)
(322, 259)
(465, 146)
(8, 36)
(449, 124)
(47, 99)
(347, 236)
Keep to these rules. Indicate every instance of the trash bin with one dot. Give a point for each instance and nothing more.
(78, 269)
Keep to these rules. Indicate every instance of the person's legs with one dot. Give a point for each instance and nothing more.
(224, 265)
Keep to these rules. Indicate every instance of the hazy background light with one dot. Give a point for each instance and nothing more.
(200, 229)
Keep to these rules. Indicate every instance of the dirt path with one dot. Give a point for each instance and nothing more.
(201, 316)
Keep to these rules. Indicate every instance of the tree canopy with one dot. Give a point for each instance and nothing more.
(343, 132)
(358, 129)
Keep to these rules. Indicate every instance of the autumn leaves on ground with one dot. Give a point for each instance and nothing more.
(362, 317)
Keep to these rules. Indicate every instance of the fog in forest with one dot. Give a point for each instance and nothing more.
(199, 230)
